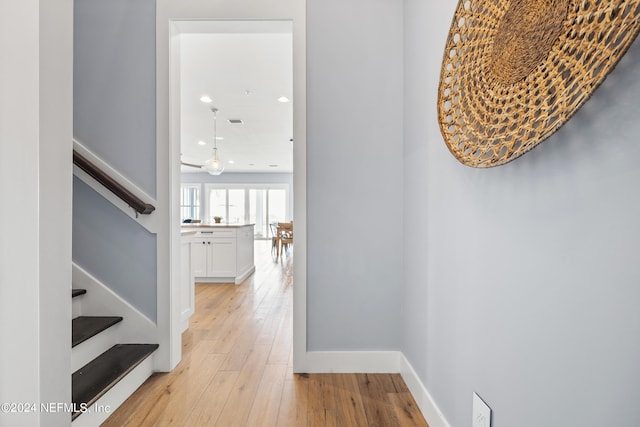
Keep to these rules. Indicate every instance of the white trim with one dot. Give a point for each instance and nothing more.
(243, 276)
(168, 14)
(112, 172)
(102, 301)
(149, 222)
(300, 185)
(421, 395)
(235, 280)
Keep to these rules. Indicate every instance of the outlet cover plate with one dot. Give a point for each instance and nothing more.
(481, 413)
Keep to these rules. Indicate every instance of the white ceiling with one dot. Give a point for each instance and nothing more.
(244, 66)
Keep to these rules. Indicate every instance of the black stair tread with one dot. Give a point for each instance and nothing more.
(77, 292)
(93, 380)
(84, 327)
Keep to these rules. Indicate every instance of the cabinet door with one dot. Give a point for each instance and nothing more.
(199, 258)
(222, 257)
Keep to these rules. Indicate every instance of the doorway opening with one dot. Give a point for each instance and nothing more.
(243, 69)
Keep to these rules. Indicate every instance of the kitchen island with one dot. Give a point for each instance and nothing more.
(220, 253)
(213, 253)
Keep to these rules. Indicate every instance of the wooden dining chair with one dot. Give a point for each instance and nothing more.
(273, 228)
(285, 236)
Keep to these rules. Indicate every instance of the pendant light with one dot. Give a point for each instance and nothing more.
(214, 165)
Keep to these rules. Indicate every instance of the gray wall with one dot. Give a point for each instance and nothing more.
(114, 248)
(114, 116)
(354, 179)
(521, 281)
(114, 103)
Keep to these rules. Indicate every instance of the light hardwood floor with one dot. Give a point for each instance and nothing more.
(236, 368)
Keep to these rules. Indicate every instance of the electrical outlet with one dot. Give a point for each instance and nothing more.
(481, 413)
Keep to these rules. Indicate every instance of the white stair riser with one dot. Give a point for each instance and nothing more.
(107, 404)
(85, 352)
(102, 301)
(76, 306)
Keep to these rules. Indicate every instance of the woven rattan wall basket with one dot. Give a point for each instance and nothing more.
(514, 71)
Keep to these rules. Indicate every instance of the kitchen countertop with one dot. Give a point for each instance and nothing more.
(188, 229)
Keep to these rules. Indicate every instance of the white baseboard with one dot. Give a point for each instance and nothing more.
(244, 275)
(423, 398)
(102, 301)
(235, 280)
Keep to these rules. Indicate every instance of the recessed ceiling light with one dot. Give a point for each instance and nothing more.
(219, 138)
(273, 166)
(252, 164)
(283, 99)
(235, 121)
(206, 99)
(202, 143)
(231, 161)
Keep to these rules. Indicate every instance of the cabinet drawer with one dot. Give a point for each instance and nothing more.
(225, 241)
(224, 232)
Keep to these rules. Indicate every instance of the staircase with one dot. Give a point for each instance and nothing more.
(105, 372)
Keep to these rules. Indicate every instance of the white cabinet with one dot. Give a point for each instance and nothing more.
(199, 255)
(213, 254)
(187, 291)
(221, 257)
(222, 254)
(245, 249)
(209, 258)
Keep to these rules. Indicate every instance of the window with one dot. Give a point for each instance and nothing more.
(236, 210)
(189, 202)
(217, 203)
(277, 205)
(259, 204)
(257, 210)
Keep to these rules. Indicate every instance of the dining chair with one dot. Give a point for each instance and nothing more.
(285, 236)
(273, 227)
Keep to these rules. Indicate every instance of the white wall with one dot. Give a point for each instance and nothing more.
(35, 242)
(354, 174)
(521, 281)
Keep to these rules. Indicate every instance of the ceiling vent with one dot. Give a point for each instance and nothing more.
(235, 121)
